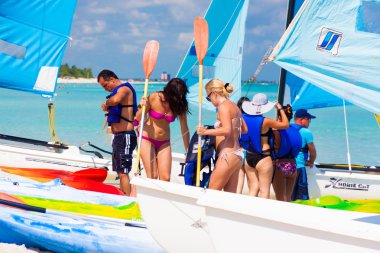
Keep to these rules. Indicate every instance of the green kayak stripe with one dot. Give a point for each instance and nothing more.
(127, 212)
(334, 202)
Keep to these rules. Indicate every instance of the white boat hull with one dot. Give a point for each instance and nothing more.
(172, 216)
(248, 224)
(67, 159)
(70, 159)
(341, 183)
(344, 184)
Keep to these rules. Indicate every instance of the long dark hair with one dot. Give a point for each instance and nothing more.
(175, 93)
(240, 103)
(288, 111)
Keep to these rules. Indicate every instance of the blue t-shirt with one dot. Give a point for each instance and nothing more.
(307, 137)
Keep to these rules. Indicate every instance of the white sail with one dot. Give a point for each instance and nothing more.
(226, 20)
(336, 51)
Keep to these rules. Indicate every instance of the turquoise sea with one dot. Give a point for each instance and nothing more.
(79, 119)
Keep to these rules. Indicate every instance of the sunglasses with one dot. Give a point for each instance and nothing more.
(208, 97)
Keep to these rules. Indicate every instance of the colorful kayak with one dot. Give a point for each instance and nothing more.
(65, 234)
(8, 197)
(45, 175)
(334, 202)
(87, 179)
(130, 211)
(55, 189)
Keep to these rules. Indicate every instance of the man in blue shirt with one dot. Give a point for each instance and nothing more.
(306, 156)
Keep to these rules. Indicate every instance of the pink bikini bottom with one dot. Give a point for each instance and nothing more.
(157, 144)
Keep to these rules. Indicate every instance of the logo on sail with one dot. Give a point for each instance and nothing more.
(329, 41)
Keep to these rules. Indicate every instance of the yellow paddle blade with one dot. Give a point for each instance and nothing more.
(377, 117)
(200, 38)
(150, 57)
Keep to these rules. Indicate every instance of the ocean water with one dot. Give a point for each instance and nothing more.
(79, 119)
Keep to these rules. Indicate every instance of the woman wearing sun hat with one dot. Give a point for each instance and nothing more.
(228, 128)
(259, 167)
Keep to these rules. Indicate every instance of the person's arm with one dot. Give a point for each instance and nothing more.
(244, 127)
(185, 131)
(118, 97)
(282, 123)
(312, 155)
(105, 123)
(226, 124)
(144, 101)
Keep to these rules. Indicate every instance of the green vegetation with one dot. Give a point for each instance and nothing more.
(67, 71)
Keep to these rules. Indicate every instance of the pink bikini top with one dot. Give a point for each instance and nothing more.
(157, 115)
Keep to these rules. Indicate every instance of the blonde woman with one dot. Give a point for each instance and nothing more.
(228, 127)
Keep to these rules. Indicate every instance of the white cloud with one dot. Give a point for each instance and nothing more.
(130, 48)
(185, 38)
(97, 26)
(139, 15)
(87, 43)
(120, 27)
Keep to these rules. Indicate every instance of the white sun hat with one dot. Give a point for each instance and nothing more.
(258, 106)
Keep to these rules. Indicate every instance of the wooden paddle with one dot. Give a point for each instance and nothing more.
(201, 45)
(149, 61)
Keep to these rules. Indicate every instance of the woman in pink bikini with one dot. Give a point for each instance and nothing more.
(229, 126)
(163, 108)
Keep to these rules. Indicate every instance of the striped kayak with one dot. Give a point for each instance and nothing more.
(55, 196)
(45, 175)
(55, 189)
(68, 234)
(334, 202)
(77, 181)
(129, 211)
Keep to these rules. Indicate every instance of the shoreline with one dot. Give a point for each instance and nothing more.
(95, 81)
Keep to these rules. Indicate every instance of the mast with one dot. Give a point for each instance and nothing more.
(281, 87)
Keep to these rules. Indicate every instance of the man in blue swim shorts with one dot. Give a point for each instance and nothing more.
(121, 108)
(306, 156)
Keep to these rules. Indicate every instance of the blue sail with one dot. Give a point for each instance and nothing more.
(33, 37)
(226, 21)
(332, 44)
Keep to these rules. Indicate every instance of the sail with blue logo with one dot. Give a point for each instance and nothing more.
(331, 50)
(226, 21)
(33, 37)
(298, 92)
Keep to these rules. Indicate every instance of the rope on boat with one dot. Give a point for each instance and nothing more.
(94, 152)
(264, 61)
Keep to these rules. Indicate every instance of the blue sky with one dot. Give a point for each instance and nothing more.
(112, 34)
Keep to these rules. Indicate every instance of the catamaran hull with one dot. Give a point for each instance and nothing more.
(172, 216)
(63, 234)
(344, 184)
(66, 159)
(71, 160)
(50, 158)
(252, 224)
